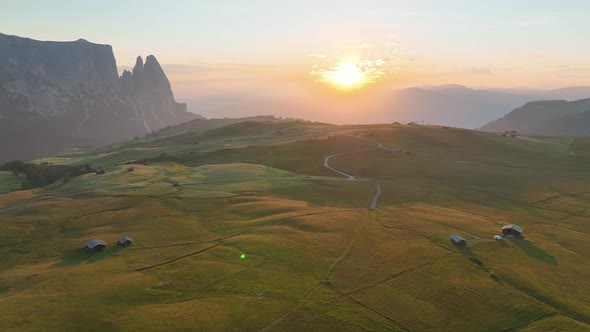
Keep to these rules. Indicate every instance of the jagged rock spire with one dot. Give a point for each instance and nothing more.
(138, 66)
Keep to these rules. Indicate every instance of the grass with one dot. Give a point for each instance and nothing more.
(316, 257)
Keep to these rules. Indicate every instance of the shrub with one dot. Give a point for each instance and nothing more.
(476, 260)
(42, 175)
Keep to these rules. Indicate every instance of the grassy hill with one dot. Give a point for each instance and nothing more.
(548, 117)
(314, 256)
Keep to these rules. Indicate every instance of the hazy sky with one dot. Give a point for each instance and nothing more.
(216, 45)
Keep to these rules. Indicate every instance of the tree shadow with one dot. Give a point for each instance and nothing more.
(532, 250)
(79, 256)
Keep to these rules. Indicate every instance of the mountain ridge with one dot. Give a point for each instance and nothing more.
(546, 117)
(69, 94)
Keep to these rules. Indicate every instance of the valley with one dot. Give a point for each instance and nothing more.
(339, 226)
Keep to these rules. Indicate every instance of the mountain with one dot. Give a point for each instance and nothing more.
(567, 93)
(59, 95)
(460, 106)
(551, 117)
(449, 105)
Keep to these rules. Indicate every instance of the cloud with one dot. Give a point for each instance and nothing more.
(569, 69)
(475, 71)
(357, 46)
(316, 55)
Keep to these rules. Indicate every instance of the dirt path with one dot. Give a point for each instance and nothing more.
(350, 177)
(322, 281)
(374, 201)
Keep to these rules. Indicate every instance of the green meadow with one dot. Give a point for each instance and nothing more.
(242, 228)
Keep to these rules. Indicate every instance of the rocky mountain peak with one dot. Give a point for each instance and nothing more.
(67, 94)
(138, 66)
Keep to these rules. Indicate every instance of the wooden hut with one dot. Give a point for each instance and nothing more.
(125, 241)
(458, 240)
(95, 245)
(513, 230)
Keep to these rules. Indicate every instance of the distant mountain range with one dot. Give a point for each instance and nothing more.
(450, 105)
(551, 117)
(56, 96)
(459, 106)
(60, 95)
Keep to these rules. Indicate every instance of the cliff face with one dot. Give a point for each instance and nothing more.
(68, 94)
(68, 64)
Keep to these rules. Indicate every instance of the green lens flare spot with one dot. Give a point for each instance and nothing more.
(242, 256)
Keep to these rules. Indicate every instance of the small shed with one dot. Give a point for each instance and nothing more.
(130, 169)
(95, 245)
(125, 241)
(513, 230)
(162, 154)
(457, 239)
(99, 171)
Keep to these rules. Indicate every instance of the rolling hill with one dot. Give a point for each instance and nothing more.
(555, 117)
(249, 227)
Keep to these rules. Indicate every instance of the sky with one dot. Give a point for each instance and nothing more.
(286, 47)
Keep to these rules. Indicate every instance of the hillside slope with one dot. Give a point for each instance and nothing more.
(244, 227)
(556, 117)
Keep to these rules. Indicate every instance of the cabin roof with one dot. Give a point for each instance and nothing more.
(124, 239)
(457, 238)
(513, 227)
(95, 242)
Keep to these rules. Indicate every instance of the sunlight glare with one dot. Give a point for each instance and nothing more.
(346, 74)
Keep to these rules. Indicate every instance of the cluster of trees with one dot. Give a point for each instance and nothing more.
(512, 133)
(42, 175)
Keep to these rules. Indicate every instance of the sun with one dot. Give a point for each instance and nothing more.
(350, 75)
(345, 75)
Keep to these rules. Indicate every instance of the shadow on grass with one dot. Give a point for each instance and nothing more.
(532, 250)
(464, 250)
(79, 256)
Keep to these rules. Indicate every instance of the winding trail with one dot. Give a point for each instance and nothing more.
(350, 177)
(374, 201)
(345, 252)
